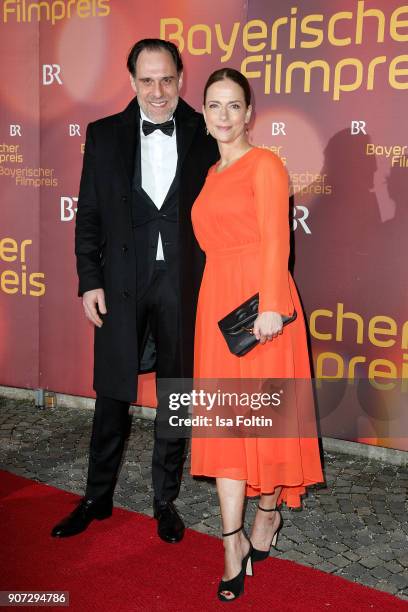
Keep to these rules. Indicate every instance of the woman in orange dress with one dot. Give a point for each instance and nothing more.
(241, 221)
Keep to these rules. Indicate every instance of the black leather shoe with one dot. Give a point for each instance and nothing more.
(86, 511)
(170, 526)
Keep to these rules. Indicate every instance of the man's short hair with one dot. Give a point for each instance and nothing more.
(153, 44)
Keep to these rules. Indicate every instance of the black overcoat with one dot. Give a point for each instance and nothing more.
(105, 244)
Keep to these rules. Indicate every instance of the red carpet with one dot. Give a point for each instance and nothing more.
(121, 565)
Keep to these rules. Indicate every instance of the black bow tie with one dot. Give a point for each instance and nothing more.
(167, 127)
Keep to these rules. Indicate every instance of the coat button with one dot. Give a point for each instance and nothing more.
(125, 294)
(124, 198)
(125, 248)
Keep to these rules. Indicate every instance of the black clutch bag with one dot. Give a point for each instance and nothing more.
(237, 326)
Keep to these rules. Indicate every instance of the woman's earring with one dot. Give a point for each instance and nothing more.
(206, 131)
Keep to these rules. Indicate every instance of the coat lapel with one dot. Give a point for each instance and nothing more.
(186, 124)
(128, 138)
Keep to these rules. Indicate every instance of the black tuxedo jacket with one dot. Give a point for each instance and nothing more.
(105, 240)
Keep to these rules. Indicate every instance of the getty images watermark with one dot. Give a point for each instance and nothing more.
(233, 407)
(280, 408)
(212, 401)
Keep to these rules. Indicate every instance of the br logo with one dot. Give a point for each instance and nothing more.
(74, 129)
(358, 127)
(278, 128)
(51, 73)
(68, 208)
(300, 214)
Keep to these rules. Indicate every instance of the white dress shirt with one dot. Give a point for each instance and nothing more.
(159, 163)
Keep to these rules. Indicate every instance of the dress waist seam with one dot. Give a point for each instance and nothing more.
(228, 251)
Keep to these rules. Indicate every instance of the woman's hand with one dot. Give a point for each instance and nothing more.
(267, 326)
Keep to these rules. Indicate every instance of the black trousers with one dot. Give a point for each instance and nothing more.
(159, 310)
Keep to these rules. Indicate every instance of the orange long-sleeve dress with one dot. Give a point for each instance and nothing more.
(240, 220)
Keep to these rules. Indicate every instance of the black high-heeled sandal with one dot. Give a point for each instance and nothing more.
(235, 586)
(261, 555)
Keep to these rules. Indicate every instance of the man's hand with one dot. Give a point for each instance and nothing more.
(267, 326)
(92, 299)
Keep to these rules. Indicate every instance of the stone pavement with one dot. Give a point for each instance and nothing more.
(356, 527)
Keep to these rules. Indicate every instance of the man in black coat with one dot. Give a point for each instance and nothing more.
(139, 268)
